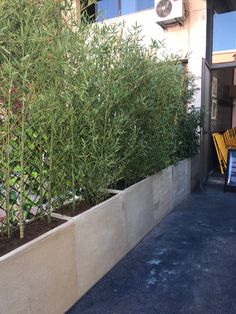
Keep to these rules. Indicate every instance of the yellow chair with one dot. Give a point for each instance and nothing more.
(230, 138)
(221, 150)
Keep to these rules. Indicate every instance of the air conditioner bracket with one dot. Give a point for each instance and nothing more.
(165, 25)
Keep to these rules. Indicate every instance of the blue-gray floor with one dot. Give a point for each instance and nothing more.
(186, 265)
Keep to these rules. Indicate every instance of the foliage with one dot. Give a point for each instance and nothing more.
(83, 106)
(187, 134)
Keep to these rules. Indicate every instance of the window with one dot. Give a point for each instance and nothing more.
(107, 9)
(132, 6)
(224, 35)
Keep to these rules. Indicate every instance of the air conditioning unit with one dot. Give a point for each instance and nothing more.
(170, 11)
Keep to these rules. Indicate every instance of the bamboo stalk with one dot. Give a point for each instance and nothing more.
(40, 173)
(22, 135)
(22, 151)
(73, 160)
(50, 175)
(7, 174)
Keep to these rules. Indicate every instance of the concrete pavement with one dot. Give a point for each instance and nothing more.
(186, 265)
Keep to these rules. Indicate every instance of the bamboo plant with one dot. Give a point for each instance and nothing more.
(82, 107)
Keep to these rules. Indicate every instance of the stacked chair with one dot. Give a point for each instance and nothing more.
(223, 142)
(230, 138)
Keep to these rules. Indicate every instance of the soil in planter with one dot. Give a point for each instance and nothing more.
(32, 231)
(122, 184)
(80, 207)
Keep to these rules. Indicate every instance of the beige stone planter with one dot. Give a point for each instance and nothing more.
(138, 211)
(162, 194)
(40, 276)
(100, 241)
(181, 181)
(50, 273)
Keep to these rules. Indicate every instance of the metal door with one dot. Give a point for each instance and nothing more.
(205, 128)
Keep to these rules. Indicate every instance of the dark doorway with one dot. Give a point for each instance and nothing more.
(222, 113)
(218, 79)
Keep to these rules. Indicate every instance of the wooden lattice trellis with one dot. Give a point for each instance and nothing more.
(24, 200)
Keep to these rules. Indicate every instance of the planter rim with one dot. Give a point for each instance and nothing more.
(180, 161)
(93, 208)
(37, 240)
(117, 194)
(134, 185)
(148, 177)
(159, 172)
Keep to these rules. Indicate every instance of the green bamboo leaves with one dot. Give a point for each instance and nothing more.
(32, 62)
(82, 107)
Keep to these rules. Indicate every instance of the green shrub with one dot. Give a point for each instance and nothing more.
(187, 134)
(82, 108)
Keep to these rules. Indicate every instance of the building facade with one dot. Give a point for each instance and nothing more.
(184, 40)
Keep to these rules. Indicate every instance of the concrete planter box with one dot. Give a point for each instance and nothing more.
(40, 276)
(49, 274)
(162, 194)
(100, 241)
(181, 181)
(138, 211)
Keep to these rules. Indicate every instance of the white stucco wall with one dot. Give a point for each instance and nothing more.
(189, 39)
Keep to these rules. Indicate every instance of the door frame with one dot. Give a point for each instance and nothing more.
(203, 158)
(205, 128)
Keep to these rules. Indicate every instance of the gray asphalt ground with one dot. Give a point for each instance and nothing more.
(186, 265)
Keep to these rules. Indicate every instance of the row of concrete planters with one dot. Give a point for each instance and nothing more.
(50, 273)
